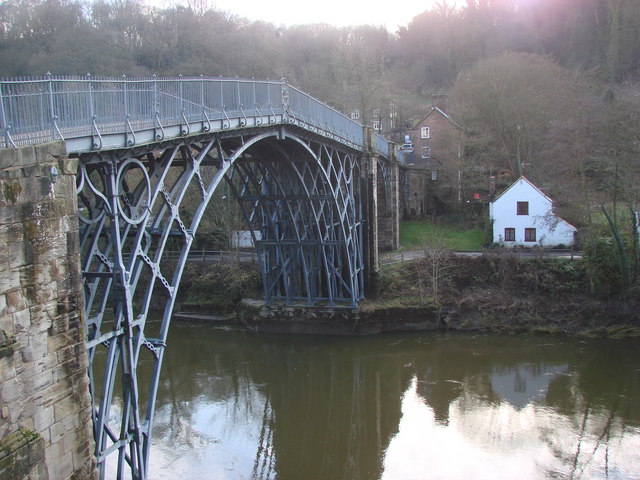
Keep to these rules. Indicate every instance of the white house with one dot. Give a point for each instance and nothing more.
(523, 215)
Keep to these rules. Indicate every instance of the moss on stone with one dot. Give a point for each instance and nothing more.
(11, 191)
(22, 455)
(7, 343)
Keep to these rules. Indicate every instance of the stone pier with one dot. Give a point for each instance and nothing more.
(45, 407)
(369, 174)
(389, 205)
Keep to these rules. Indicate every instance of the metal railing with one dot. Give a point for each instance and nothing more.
(215, 256)
(94, 113)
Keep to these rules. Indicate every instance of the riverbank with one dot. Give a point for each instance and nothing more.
(495, 292)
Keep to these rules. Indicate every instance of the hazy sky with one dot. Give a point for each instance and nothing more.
(335, 12)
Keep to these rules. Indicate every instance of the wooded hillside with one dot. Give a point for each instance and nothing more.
(115, 37)
(543, 87)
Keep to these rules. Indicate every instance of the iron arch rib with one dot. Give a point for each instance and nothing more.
(307, 243)
(140, 210)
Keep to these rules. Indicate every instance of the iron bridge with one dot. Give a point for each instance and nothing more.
(152, 152)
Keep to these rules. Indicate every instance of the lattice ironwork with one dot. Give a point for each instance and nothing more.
(153, 151)
(303, 196)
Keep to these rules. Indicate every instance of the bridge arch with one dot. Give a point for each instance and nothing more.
(300, 193)
(308, 201)
(149, 145)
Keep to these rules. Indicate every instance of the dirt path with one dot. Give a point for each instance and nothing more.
(388, 258)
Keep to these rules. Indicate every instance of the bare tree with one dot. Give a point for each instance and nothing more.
(510, 103)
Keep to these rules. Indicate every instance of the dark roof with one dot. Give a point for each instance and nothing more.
(437, 110)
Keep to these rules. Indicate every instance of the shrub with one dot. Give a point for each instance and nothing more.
(222, 284)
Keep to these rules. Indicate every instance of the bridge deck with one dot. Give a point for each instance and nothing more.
(92, 114)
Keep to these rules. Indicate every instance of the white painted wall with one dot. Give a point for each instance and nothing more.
(550, 229)
(243, 238)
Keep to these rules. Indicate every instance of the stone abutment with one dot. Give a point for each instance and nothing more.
(45, 406)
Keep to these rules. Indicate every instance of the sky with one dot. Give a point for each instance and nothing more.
(336, 12)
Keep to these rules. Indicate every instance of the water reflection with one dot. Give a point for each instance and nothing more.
(486, 440)
(237, 406)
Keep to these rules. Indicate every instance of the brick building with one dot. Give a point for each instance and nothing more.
(433, 176)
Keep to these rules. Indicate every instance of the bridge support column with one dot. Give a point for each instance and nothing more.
(369, 172)
(389, 217)
(45, 405)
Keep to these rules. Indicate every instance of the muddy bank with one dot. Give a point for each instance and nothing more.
(489, 293)
(253, 314)
(367, 319)
(482, 310)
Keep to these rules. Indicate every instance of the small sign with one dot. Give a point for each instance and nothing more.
(407, 148)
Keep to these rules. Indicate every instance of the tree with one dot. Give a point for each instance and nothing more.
(363, 60)
(509, 104)
(32, 31)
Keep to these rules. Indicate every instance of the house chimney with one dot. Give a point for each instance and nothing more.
(492, 188)
(439, 100)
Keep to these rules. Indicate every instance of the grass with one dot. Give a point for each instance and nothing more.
(420, 233)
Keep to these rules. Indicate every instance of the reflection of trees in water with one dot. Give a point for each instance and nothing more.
(264, 466)
(594, 429)
(328, 407)
(337, 407)
(559, 372)
(460, 365)
(600, 397)
(179, 426)
(195, 373)
(583, 398)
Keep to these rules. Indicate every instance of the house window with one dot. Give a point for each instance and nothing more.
(376, 124)
(426, 152)
(434, 175)
(529, 234)
(425, 132)
(376, 112)
(523, 208)
(509, 234)
(355, 115)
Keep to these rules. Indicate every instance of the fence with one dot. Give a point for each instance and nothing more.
(214, 256)
(39, 110)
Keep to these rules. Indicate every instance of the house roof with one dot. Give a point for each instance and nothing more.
(529, 182)
(437, 110)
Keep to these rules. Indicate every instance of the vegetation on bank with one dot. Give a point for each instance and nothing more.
(597, 294)
(500, 291)
(218, 287)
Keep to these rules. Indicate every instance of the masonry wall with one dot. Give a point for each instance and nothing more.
(45, 412)
(416, 198)
(388, 209)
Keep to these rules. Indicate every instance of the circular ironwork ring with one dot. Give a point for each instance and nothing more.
(133, 213)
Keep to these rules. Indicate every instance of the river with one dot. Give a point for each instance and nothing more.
(455, 406)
